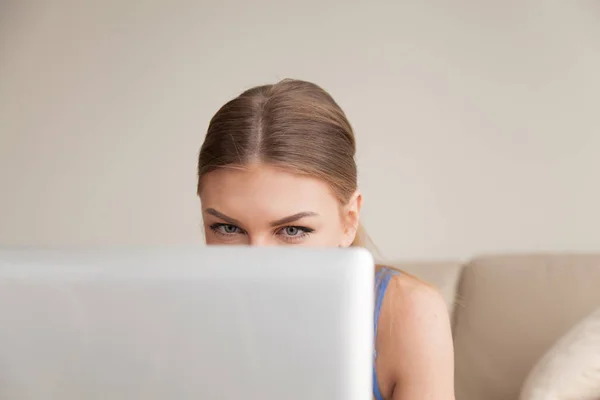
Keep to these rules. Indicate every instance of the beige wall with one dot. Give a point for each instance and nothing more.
(478, 124)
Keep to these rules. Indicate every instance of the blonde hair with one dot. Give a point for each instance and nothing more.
(292, 124)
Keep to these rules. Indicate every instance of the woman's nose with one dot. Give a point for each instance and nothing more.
(262, 240)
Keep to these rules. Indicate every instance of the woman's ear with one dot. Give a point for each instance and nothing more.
(351, 218)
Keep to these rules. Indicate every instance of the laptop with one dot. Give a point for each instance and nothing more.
(194, 323)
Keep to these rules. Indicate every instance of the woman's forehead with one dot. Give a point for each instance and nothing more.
(267, 189)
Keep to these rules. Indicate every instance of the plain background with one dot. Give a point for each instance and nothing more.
(478, 122)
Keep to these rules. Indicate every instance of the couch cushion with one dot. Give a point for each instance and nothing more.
(513, 309)
(570, 370)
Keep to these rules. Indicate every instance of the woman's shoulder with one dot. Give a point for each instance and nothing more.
(402, 282)
(405, 292)
(414, 325)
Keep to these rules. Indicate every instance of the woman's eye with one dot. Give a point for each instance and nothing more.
(226, 229)
(230, 229)
(294, 231)
(291, 230)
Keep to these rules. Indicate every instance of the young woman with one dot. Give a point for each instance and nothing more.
(277, 168)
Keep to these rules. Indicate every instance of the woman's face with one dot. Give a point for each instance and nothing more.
(267, 206)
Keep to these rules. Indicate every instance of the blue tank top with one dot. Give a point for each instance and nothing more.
(382, 279)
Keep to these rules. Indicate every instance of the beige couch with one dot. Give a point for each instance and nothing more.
(508, 311)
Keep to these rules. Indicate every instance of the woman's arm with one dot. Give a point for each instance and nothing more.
(416, 342)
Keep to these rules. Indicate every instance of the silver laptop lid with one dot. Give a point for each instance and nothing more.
(206, 323)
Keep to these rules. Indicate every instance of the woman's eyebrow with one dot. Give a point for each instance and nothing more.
(222, 216)
(293, 218)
